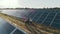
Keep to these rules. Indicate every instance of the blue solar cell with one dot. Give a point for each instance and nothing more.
(52, 14)
(57, 20)
(27, 14)
(37, 16)
(48, 19)
(18, 32)
(58, 14)
(32, 15)
(43, 16)
(55, 25)
(57, 17)
(46, 23)
(39, 21)
(7, 29)
(44, 19)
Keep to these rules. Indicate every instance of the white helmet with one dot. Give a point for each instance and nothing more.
(30, 19)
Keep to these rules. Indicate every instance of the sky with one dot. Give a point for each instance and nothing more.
(29, 3)
(9, 3)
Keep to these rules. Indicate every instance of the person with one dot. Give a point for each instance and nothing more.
(28, 21)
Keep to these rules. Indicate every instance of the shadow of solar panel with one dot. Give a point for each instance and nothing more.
(18, 32)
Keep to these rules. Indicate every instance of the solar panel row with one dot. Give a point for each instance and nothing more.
(6, 28)
(9, 29)
(46, 17)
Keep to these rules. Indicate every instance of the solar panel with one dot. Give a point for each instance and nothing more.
(46, 17)
(18, 32)
(7, 28)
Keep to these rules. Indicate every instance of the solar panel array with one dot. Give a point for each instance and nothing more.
(6, 28)
(9, 29)
(46, 17)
